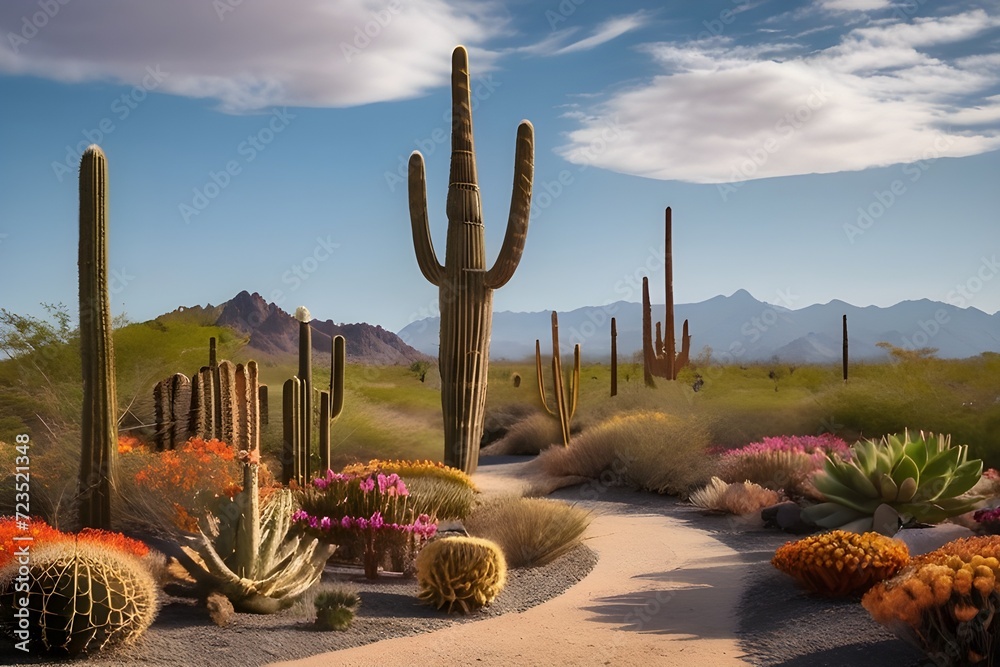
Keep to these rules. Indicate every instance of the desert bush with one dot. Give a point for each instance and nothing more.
(945, 602)
(783, 463)
(501, 418)
(437, 490)
(531, 531)
(169, 490)
(338, 508)
(840, 563)
(460, 573)
(531, 435)
(646, 450)
(737, 498)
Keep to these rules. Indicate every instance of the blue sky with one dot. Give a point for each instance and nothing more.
(834, 149)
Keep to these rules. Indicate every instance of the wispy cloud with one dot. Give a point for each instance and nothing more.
(252, 55)
(555, 44)
(854, 5)
(723, 113)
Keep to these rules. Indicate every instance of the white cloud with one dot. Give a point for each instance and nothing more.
(854, 5)
(616, 26)
(307, 53)
(722, 113)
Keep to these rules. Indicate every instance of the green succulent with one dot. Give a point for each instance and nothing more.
(919, 479)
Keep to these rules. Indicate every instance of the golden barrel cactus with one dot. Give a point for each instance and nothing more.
(841, 563)
(82, 597)
(461, 573)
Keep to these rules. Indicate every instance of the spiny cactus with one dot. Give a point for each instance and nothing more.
(660, 359)
(565, 404)
(99, 435)
(335, 608)
(331, 403)
(172, 409)
(81, 597)
(297, 408)
(614, 357)
(465, 284)
(460, 573)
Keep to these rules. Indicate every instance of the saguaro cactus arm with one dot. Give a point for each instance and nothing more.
(423, 246)
(565, 406)
(520, 209)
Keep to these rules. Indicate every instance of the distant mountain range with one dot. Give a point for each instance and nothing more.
(274, 332)
(741, 328)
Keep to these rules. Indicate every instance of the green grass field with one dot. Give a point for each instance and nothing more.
(389, 412)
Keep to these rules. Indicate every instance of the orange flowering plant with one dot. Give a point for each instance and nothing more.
(946, 602)
(175, 487)
(841, 563)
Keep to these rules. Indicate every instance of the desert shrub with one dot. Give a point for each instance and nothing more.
(840, 563)
(340, 508)
(531, 531)
(737, 498)
(646, 450)
(531, 435)
(781, 463)
(440, 491)
(944, 601)
(460, 573)
(500, 419)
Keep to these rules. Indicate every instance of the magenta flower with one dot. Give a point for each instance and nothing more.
(367, 484)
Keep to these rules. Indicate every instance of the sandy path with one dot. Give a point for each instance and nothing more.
(662, 593)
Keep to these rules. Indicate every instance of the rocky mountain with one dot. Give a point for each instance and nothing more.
(740, 328)
(272, 331)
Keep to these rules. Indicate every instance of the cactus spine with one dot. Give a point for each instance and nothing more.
(661, 359)
(331, 403)
(99, 444)
(465, 284)
(565, 405)
(614, 357)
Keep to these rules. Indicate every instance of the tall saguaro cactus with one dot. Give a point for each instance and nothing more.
(614, 357)
(661, 359)
(565, 404)
(99, 444)
(845, 348)
(465, 284)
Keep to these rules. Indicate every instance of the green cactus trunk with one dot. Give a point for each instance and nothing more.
(331, 403)
(99, 444)
(465, 284)
(845, 348)
(614, 357)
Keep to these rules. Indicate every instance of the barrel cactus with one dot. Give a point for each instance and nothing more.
(460, 573)
(82, 597)
(920, 479)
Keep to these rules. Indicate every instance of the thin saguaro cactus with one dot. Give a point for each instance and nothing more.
(99, 437)
(565, 404)
(331, 403)
(465, 284)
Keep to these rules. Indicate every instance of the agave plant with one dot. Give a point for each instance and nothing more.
(918, 479)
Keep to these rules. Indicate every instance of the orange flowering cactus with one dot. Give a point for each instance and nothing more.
(946, 602)
(841, 563)
(42, 533)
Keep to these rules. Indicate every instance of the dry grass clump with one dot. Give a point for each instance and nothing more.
(646, 450)
(736, 498)
(531, 435)
(530, 531)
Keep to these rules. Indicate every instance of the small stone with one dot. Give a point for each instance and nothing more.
(786, 516)
(220, 609)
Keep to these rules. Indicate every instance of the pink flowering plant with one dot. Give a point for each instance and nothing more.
(988, 520)
(341, 508)
(782, 463)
